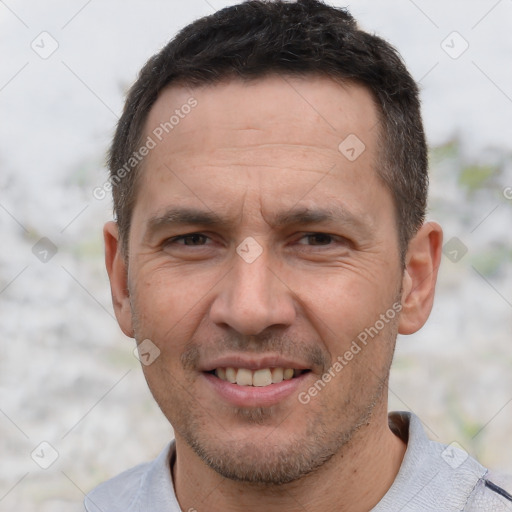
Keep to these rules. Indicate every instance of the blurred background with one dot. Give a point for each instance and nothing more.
(74, 407)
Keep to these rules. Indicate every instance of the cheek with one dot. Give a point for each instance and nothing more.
(164, 308)
(345, 306)
(343, 297)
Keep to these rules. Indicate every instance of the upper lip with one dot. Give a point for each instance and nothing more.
(253, 362)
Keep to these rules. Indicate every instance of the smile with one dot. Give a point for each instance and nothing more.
(257, 378)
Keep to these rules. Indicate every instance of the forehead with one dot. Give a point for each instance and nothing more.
(236, 138)
(311, 110)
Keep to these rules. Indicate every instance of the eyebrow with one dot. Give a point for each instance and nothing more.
(302, 216)
(316, 215)
(180, 216)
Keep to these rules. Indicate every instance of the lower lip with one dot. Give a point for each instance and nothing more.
(254, 396)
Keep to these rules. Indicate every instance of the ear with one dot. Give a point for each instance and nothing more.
(420, 276)
(118, 275)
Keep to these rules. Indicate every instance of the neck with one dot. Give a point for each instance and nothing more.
(355, 479)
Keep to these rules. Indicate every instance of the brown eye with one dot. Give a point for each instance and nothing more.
(318, 239)
(194, 239)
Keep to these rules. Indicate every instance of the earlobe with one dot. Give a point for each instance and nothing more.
(118, 276)
(420, 276)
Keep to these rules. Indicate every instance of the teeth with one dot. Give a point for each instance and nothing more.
(258, 378)
(288, 374)
(230, 375)
(277, 375)
(244, 377)
(261, 378)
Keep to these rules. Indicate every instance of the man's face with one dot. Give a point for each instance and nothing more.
(257, 244)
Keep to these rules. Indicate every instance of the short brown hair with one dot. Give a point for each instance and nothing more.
(259, 37)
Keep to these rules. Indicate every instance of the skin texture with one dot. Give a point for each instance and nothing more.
(250, 154)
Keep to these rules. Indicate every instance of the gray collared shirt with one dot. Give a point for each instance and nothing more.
(432, 477)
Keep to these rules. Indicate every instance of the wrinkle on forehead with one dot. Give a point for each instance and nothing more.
(260, 147)
(286, 125)
(317, 111)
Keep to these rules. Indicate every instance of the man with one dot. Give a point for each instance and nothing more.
(269, 175)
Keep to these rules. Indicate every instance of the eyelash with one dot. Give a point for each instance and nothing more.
(183, 237)
(332, 237)
(306, 235)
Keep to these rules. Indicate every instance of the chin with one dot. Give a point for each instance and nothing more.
(267, 455)
(263, 464)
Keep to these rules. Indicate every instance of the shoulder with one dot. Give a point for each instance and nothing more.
(126, 491)
(435, 476)
(493, 492)
(118, 493)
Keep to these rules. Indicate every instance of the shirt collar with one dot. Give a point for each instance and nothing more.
(432, 476)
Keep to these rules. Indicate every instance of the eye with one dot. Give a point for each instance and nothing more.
(317, 239)
(191, 239)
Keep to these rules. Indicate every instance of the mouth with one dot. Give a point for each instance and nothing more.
(250, 380)
(262, 377)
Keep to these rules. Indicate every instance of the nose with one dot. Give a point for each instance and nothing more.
(252, 298)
